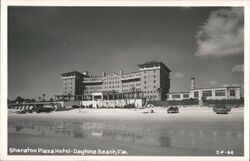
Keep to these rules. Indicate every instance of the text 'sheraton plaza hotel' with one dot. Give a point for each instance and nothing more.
(152, 82)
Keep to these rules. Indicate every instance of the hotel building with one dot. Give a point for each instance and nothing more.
(151, 81)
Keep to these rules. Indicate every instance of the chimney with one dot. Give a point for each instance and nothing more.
(192, 83)
(121, 72)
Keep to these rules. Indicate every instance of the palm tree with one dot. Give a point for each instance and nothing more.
(44, 96)
(159, 92)
(69, 96)
(133, 89)
(113, 92)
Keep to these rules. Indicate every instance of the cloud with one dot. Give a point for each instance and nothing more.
(233, 85)
(225, 85)
(213, 82)
(238, 85)
(222, 34)
(178, 75)
(238, 68)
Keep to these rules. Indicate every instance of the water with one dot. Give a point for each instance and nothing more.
(135, 138)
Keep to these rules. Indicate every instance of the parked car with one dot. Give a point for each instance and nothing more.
(221, 109)
(21, 112)
(150, 105)
(28, 111)
(173, 109)
(44, 109)
(129, 106)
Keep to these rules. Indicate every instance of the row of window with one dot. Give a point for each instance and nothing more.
(111, 87)
(67, 79)
(145, 82)
(146, 87)
(149, 92)
(95, 87)
(68, 87)
(131, 85)
(111, 78)
(217, 93)
(90, 79)
(207, 93)
(179, 96)
(129, 90)
(151, 97)
(68, 83)
(131, 75)
(149, 71)
(113, 82)
(145, 77)
(68, 92)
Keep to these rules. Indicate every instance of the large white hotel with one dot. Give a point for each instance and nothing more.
(151, 81)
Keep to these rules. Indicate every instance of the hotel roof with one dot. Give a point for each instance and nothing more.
(72, 73)
(207, 88)
(154, 63)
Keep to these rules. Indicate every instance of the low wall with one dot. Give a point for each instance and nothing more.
(104, 103)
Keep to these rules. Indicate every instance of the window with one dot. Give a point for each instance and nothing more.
(232, 92)
(154, 86)
(154, 81)
(196, 94)
(176, 96)
(185, 95)
(207, 93)
(220, 93)
(145, 82)
(154, 76)
(145, 87)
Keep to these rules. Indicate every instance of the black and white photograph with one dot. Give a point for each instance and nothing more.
(124, 81)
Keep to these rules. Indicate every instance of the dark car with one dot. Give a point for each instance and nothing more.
(44, 109)
(221, 109)
(173, 109)
(21, 112)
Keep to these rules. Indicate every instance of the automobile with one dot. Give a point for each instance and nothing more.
(44, 109)
(150, 105)
(21, 112)
(129, 106)
(75, 106)
(173, 109)
(221, 109)
(28, 111)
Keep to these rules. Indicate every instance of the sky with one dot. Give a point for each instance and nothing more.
(202, 42)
